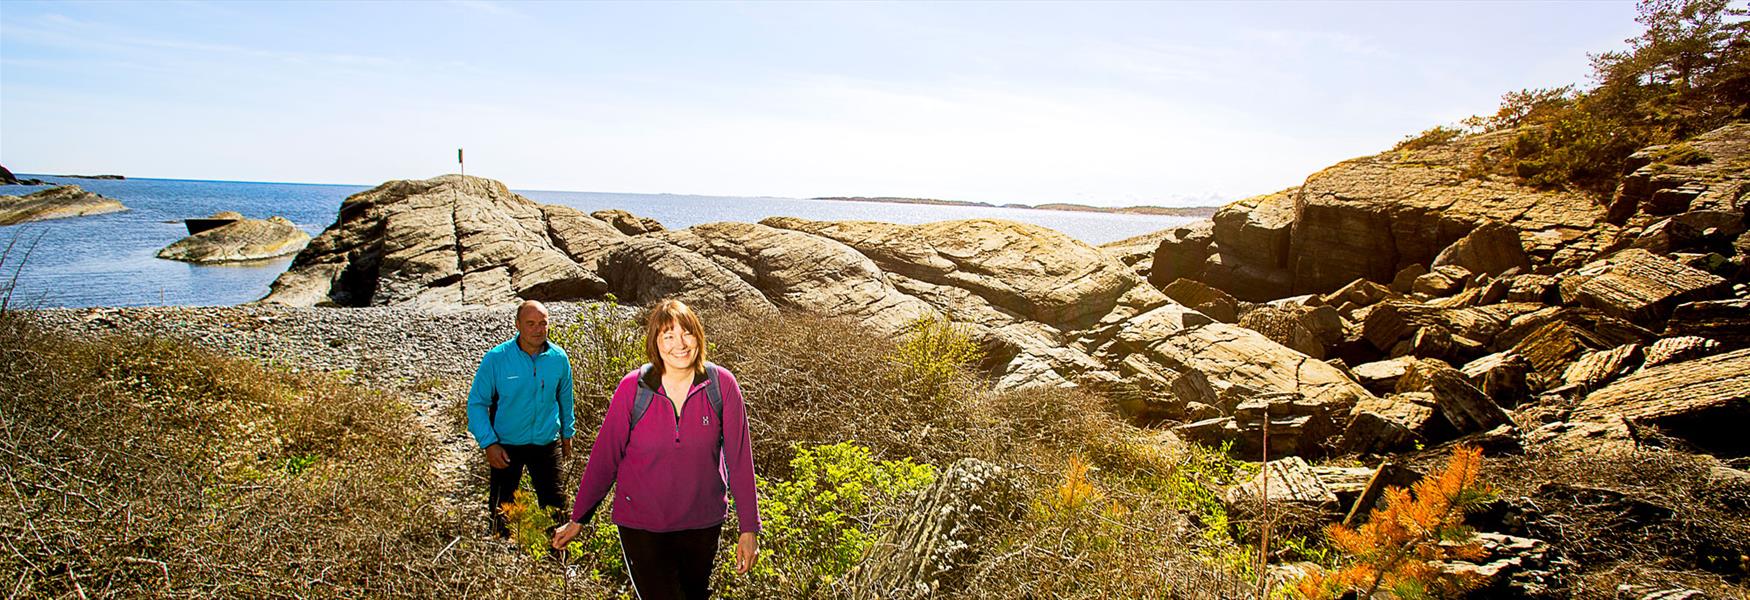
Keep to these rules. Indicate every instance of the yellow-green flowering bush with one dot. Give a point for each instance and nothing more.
(817, 524)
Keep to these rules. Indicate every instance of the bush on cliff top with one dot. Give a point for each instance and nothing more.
(1687, 73)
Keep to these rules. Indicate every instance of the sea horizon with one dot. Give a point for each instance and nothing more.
(72, 268)
(830, 197)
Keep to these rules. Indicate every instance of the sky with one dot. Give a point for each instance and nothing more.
(1109, 104)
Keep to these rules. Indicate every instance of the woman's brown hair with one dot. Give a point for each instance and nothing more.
(666, 314)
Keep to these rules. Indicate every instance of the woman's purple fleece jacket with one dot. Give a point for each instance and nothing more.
(669, 474)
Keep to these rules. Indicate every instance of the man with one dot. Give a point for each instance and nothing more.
(519, 410)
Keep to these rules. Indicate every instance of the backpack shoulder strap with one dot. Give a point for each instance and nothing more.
(641, 402)
(713, 389)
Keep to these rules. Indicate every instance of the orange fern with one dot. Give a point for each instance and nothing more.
(1399, 546)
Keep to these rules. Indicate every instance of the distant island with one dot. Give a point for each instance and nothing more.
(91, 176)
(1186, 211)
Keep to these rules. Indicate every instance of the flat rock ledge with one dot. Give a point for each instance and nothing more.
(55, 203)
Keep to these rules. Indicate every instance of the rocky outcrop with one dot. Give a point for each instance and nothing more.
(7, 178)
(55, 203)
(1371, 217)
(241, 241)
(1048, 309)
(449, 240)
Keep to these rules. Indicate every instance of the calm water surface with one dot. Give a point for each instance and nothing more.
(110, 260)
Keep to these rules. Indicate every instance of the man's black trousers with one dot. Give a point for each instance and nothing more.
(542, 461)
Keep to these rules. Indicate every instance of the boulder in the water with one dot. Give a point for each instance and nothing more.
(242, 240)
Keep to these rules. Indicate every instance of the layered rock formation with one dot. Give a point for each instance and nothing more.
(1498, 305)
(240, 241)
(58, 202)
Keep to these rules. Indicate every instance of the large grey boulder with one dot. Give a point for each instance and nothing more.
(240, 241)
(1491, 248)
(1256, 229)
(1229, 355)
(55, 203)
(646, 269)
(1251, 247)
(449, 240)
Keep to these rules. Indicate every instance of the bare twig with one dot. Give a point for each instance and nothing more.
(162, 568)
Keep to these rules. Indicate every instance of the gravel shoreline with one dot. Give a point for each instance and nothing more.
(383, 347)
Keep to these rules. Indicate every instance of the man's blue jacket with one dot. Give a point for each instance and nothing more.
(533, 395)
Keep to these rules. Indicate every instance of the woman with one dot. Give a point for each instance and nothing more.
(671, 462)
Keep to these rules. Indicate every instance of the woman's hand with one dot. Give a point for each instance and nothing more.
(565, 534)
(747, 552)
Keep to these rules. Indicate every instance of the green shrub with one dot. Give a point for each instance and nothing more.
(932, 353)
(604, 343)
(1578, 148)
(1434, 136)
(817, 524)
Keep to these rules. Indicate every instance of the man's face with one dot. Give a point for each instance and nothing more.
(531, 325)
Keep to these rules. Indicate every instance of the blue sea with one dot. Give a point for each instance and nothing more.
(110, 260)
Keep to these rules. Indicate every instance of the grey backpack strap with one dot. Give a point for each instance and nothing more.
(641, 402)
(713, 390)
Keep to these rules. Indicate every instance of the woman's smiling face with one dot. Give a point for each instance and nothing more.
(678, 347)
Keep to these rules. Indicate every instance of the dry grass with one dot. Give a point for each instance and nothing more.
(140, 467)
(1633, 517)
(148, 467)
